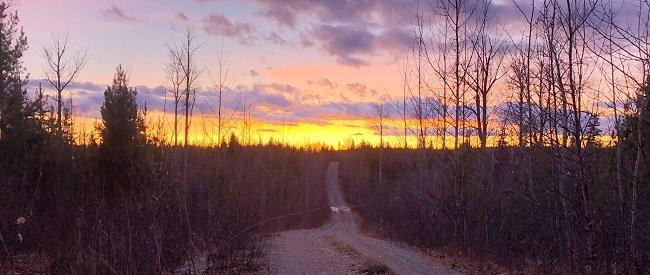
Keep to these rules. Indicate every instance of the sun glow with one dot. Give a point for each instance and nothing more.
(203, 131)
(338, 133)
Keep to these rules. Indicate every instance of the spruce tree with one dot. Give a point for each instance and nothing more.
(121, 133)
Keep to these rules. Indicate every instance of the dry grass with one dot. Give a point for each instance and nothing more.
(366, 266)
(345, 248)
(374, 267)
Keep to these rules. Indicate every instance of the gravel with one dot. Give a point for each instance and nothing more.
(338, 248)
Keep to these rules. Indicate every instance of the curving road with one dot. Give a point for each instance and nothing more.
(338, 248)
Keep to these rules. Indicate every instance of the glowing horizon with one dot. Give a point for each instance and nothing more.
(336, 134)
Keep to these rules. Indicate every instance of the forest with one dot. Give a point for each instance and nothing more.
(555, 178)
(526, 151)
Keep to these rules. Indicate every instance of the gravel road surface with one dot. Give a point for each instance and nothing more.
(338, 248)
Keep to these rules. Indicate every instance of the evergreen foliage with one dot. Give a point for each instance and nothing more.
(122, 132)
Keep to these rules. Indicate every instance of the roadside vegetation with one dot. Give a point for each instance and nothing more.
(508, 206)
(524, 142)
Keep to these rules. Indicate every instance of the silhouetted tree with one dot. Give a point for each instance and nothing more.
(17, 124)
(176, 78)
(183, 55)
(12, 97)
(638, 126)
(486, 70)
(62, 68)
(122, 133)
(381, 113)
(220, 88)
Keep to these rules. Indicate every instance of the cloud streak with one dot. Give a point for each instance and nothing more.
(115, 13)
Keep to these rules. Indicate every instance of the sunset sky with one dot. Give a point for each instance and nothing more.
(302, 61)
(315, 65)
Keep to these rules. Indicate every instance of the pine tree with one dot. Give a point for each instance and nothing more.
(12, 45)
(592, 130)
(122, 134)
(20, 131)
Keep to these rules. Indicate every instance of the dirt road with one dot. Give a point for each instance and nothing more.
(338, 248)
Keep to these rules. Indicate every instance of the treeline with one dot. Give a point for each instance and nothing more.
(130, 203)
(559, 102)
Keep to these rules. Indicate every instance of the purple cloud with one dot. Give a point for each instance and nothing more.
(354, 30)
(88, 97)
(182, 17)
(345, 43)
(360, 89)
(364, 12)
(305, 41)
(323, 82)
(274, 102)
(277, 88)
(276, 39)
(357, 109)
(219, 25)
(281, 14)
(268, 99)
(352, 45)
(394, 40)
(115, 13)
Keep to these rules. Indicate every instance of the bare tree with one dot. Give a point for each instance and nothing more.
(220, 87)
(184, 54)
(457, 15)
(175, 77)
(419, 104)
(489, 52)
(607, 52)
(440, 67)
(381, 114)
(63, 66)
(402, 106)
(246, 112)
(566, 38)
(631, 42)
(525, 95)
